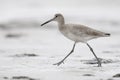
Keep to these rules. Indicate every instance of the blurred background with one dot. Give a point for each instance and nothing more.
(102, 9)
(18, 17)
(26, 48)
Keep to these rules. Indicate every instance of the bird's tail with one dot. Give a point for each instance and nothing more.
(107, 34)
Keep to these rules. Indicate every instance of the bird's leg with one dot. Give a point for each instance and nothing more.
(99, 62)
(62, 61)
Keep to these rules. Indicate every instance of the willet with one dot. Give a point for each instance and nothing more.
(77, 33)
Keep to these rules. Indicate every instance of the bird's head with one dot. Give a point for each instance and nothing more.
(57, 17)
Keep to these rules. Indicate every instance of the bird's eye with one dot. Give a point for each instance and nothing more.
(56, 16)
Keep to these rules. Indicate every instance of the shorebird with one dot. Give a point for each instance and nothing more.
(77, 33)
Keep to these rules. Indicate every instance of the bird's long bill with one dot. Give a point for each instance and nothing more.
(47, 22)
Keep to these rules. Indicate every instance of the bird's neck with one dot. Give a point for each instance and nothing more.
(61, 21)
(61, 25)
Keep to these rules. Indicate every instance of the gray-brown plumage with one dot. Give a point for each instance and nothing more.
(77, 33)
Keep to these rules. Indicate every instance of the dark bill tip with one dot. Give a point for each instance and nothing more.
(43, 24)
(47, 22)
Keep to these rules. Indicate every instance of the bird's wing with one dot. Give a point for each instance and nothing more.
(81, 30)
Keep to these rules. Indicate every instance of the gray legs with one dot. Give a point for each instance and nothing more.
(99, 62)
(62, 61)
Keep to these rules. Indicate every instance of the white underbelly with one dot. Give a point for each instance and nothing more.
(72, 37)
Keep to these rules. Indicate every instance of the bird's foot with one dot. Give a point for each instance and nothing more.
(99, 64)
(59, 63)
